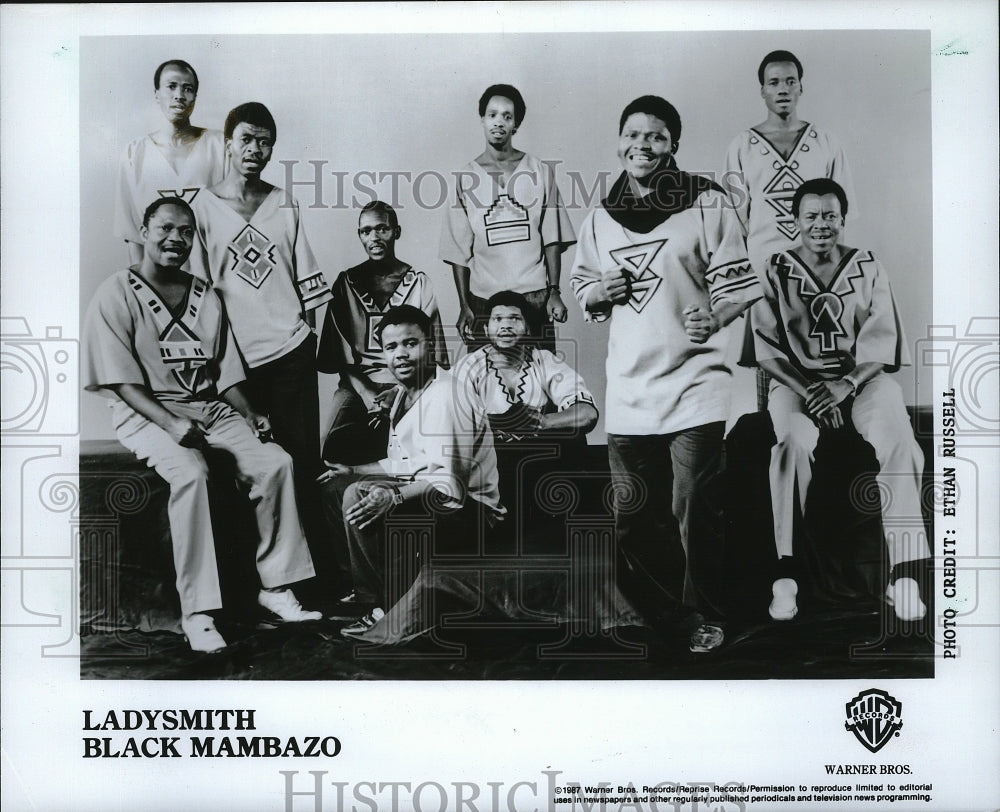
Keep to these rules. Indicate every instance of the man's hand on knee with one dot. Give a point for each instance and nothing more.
(373, 505)
(823, 396)
(831, 419)
(187, 433)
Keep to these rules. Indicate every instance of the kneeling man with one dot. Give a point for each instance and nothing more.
(827, 332)
(440, 460)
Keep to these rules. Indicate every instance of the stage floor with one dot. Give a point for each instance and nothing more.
(831, 643)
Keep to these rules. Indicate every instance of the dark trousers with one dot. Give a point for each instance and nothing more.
(352, 439)
(687, 462)
(287, 391)
(384, 554)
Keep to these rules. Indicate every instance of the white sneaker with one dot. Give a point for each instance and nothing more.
(783, 605)
(201, 634)
(903, 595)
(285, 605)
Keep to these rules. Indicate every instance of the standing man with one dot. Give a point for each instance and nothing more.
(506, 227)
(253, 251)
(663, 259)
(179, 159)
(768, 162)
(158, 340)
(440, 465)
(827, 332)
(774, 158)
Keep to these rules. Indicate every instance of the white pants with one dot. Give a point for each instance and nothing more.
(881, 419)
(282, 554)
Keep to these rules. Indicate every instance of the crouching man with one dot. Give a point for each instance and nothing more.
(827, 332)
(440, 463)
(158, 341)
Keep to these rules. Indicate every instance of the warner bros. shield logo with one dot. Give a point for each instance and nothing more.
(874, 717)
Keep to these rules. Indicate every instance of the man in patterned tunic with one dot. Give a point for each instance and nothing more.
(506, 228)
(768, 162)
(253, 250)
(827, 332)
(159, 341)
(349, 346)
(537, 404)
(663, 259)
(178, 159)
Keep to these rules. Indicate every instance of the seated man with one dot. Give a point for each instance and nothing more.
(349, 347)
(827, 332)
(529, 394)
(440, 459)
(158, 339)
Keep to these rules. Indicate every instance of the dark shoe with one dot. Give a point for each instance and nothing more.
(363, 623)
(706, 638)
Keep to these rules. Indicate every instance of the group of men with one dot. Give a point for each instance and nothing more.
(224, 358)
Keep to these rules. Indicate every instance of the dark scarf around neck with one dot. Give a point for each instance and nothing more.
(671, 191)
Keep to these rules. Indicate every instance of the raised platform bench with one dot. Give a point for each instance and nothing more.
(127, 577)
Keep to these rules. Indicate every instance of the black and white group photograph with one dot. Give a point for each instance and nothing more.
(480, 361)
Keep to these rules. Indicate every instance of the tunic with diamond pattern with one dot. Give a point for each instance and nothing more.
(263, 269)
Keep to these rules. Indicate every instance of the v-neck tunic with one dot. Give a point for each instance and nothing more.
(131, 337)
(144, 174)
(542, 379)
(763, 183)
(500, 232)
(349, 332)
(825, 330)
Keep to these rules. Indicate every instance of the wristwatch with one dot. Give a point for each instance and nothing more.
(553, 287)
(397, 497)
(854, 384)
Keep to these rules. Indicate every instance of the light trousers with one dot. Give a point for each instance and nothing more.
(282, 555)
(880, 417)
